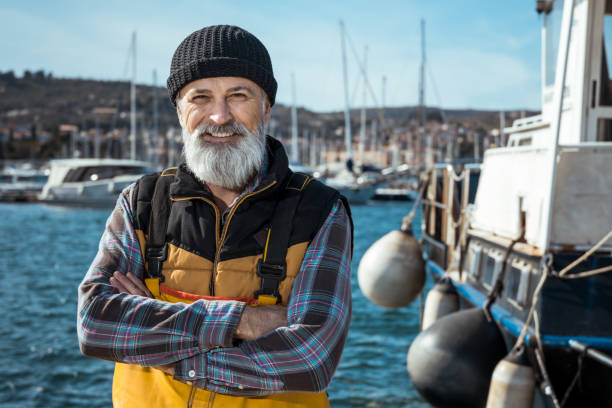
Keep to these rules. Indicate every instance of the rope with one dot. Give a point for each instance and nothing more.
(536, 335)
(575, 380)
(499, 282)
(536, 294)
(548, 389)
(586, 274)
(563, 275)
(436, 204)
(585, 255)
(407, 221)
(454, 224)
(459, 222)
(533, 315)
(454, 176)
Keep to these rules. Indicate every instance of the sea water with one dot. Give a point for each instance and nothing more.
(44, 253)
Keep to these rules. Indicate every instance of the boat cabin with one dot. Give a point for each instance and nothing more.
(555, 174)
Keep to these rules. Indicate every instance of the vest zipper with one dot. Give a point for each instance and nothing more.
(220, 239)
(211, 288)
(224, 232)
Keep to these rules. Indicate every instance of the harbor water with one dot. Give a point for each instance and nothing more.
(44, 253)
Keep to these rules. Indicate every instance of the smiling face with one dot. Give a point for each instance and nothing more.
(222, 101)
(222, 120)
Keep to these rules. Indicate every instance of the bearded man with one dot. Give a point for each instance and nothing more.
(226, 281)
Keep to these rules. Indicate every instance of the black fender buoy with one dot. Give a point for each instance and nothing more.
(442, 300)
(451, 362)
(392, 271)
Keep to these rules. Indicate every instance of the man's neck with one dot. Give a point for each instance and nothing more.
(222, 196)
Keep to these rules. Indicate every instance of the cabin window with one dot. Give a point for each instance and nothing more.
(605, 94)
(32, 179)
(525, 141)
(553, 33)
(474, 261)
(513, 279)
(604, 130)
(522, 293)
(490, 268)
(101, 172)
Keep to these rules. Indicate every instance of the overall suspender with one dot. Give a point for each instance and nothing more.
(156, 251)
(271, 268)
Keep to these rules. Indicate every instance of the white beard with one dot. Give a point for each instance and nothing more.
(227, 165)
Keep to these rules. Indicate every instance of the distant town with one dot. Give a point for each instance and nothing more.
(43, 117)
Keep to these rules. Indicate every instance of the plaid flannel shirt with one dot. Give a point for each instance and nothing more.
(198, 337)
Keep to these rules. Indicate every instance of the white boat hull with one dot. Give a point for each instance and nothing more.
(357, 195)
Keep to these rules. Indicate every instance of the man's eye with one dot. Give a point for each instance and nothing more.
(238, 95)
(200, 98)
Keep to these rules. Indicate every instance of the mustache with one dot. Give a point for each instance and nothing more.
(229, 129)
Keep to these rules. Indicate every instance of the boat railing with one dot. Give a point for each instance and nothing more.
(446, 199)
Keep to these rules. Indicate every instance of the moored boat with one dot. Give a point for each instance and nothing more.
(21, 184)
(525, 241)
(90, 182)
(356, 188)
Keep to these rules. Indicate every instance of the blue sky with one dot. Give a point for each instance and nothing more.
(481, 54)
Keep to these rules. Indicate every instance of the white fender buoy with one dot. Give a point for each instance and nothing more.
(441, 300)
(392, 272)
(513, 382)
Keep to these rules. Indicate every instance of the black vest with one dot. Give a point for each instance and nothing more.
(200, 240)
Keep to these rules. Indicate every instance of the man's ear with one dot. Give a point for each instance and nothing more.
(179, 114)
(267, 112)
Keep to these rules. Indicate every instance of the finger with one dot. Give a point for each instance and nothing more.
(128, 284)
(166, 368)
(117, 285)
(139, 284)
(134, 290)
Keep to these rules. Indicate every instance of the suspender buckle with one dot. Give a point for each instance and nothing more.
(155, 259)
(271, 275)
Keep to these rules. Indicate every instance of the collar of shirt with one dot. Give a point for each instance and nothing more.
(251, 186)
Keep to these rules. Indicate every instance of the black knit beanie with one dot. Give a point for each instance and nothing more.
(221, 51)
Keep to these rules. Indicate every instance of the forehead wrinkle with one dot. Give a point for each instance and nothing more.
(199, 91)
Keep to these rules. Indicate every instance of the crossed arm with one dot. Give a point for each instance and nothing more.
(254, 322)
(297, 349)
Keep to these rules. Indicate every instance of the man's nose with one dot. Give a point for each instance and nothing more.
(221, 114)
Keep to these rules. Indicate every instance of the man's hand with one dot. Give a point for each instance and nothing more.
(166, 368)
(129, 283)
(257, 321)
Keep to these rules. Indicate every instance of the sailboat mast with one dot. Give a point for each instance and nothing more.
(347, 115)
(133, 101)
(373, 142)
(294, 124)
(502, 125)
(382, 117)
(313, 150)
(362, 134)
(155, 120)
(423, 135)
